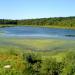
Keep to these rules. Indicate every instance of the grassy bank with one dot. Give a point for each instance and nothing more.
(47, 26)
(7, 25)
(37, 56)
(23, 62)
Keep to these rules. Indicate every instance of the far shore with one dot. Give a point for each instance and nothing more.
(47, 26)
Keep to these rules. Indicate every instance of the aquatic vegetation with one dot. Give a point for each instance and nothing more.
(43, 44)
(24, 56)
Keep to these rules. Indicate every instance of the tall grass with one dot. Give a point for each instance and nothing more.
(59, 60)
(36, 63)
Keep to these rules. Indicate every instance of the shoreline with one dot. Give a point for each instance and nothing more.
(61, 27)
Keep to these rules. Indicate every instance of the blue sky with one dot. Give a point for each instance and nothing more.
(26, 9)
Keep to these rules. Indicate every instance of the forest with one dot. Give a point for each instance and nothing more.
(55, 21)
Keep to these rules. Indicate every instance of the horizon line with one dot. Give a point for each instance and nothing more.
(36, 18)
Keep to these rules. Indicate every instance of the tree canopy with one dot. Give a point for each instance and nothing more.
(56, 21)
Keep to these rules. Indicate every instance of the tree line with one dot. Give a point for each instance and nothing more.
(5, 21)
(56, 21)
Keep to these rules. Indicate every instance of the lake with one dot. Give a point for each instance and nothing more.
(36, 32)
(37, 38)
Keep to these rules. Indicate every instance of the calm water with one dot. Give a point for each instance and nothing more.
(36, 32)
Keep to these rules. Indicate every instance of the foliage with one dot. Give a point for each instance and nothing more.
(59, 60)
(56, 21)
(34, 63)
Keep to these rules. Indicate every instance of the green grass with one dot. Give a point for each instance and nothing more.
(55, 54)
(47, 26)
(19, 66)
(50, 26)
(7, 25)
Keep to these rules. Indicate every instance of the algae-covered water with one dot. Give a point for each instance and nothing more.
(40, 39)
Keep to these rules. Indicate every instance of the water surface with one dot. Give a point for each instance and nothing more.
(36, 32)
